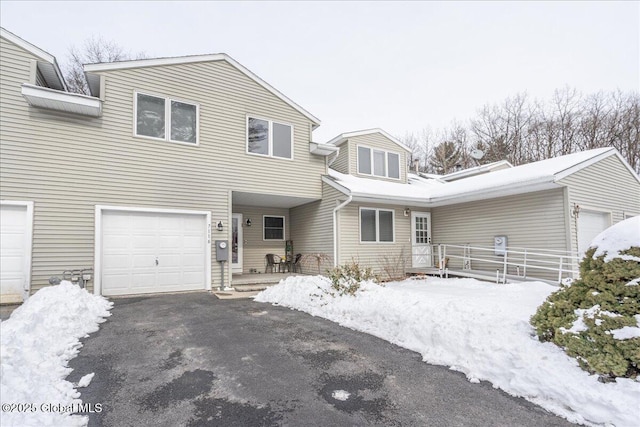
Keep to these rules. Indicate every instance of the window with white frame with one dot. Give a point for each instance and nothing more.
(273, 227)
(269, 138)
(376, 162)
(376, 225)
(166, 118)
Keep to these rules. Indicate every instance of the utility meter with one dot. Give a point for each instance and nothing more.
(222, 250)
(500, 245)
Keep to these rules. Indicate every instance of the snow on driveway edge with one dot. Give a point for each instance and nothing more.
(477, 328)
(36, 344)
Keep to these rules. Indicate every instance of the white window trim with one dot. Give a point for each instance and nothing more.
(386, 162)
(377, 241)
(167, 118)
(284, 228)
(270, 134)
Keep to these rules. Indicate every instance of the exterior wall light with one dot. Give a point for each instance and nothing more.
(219, 226)
(248, 222)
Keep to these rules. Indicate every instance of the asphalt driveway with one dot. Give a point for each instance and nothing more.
(194, 360)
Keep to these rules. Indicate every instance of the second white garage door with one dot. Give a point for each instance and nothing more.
(590, 224)
(145, 252)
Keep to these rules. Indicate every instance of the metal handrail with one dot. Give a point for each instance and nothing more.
(523, 260)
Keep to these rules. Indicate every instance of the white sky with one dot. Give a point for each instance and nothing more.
(401, 66)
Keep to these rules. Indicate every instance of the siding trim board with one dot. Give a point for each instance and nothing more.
(100, 209)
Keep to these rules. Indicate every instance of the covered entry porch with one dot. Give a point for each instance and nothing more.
(261, 226)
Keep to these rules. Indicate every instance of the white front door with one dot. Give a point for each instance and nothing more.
(421, 255)
(236, 243)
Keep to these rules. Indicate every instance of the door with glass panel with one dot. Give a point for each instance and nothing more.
(236, 243)
(421, 251)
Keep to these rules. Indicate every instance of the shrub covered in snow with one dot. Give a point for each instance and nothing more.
(597, 318)
(347, 279)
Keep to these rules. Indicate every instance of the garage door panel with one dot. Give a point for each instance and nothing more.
(170, 242)
(193, 242)
(176, 241)
(193, 260)
(143, 260)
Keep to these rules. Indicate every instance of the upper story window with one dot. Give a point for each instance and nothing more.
(269, 138)
(372, 161)
(165, 118)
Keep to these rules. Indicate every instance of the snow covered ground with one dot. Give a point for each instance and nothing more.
(478, 328)
(36, 344)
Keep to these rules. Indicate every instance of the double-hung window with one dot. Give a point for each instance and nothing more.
(376, 162)
(376, 225)
(269, 138)
(166, 119)
(273, 227)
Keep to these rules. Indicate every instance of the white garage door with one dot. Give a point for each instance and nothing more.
(144, 252)
(590, 224)
(14, 253)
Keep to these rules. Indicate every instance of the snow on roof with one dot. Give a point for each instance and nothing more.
(535, 176)
(417, 189)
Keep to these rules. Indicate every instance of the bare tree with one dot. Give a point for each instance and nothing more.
(94, 50)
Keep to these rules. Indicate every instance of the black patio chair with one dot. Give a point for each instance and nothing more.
(272, 260)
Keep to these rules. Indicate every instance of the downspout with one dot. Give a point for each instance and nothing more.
(335, 228)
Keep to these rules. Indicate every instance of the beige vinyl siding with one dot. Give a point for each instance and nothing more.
(531, 220)
(255, 247)
(606, 186)
(375, 140)
(372, 254)
(341, 164)
(68, 164)
(312, 224)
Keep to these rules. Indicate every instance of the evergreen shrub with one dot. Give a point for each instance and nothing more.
(581, 316)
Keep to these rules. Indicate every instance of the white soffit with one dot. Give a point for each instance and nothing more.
(41, 97)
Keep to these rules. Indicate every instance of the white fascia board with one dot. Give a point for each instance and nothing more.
(340, 139)
(157, 62)
(62, 101)
(322, 149)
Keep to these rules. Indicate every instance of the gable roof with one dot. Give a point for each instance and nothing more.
(47, 64)
(536, 176)
(343, 137)
(94, 79)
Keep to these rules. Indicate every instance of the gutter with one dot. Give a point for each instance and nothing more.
(335, 228)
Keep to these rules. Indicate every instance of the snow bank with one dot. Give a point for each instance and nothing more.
(36, 344)
(478, 328)
(616, 238)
